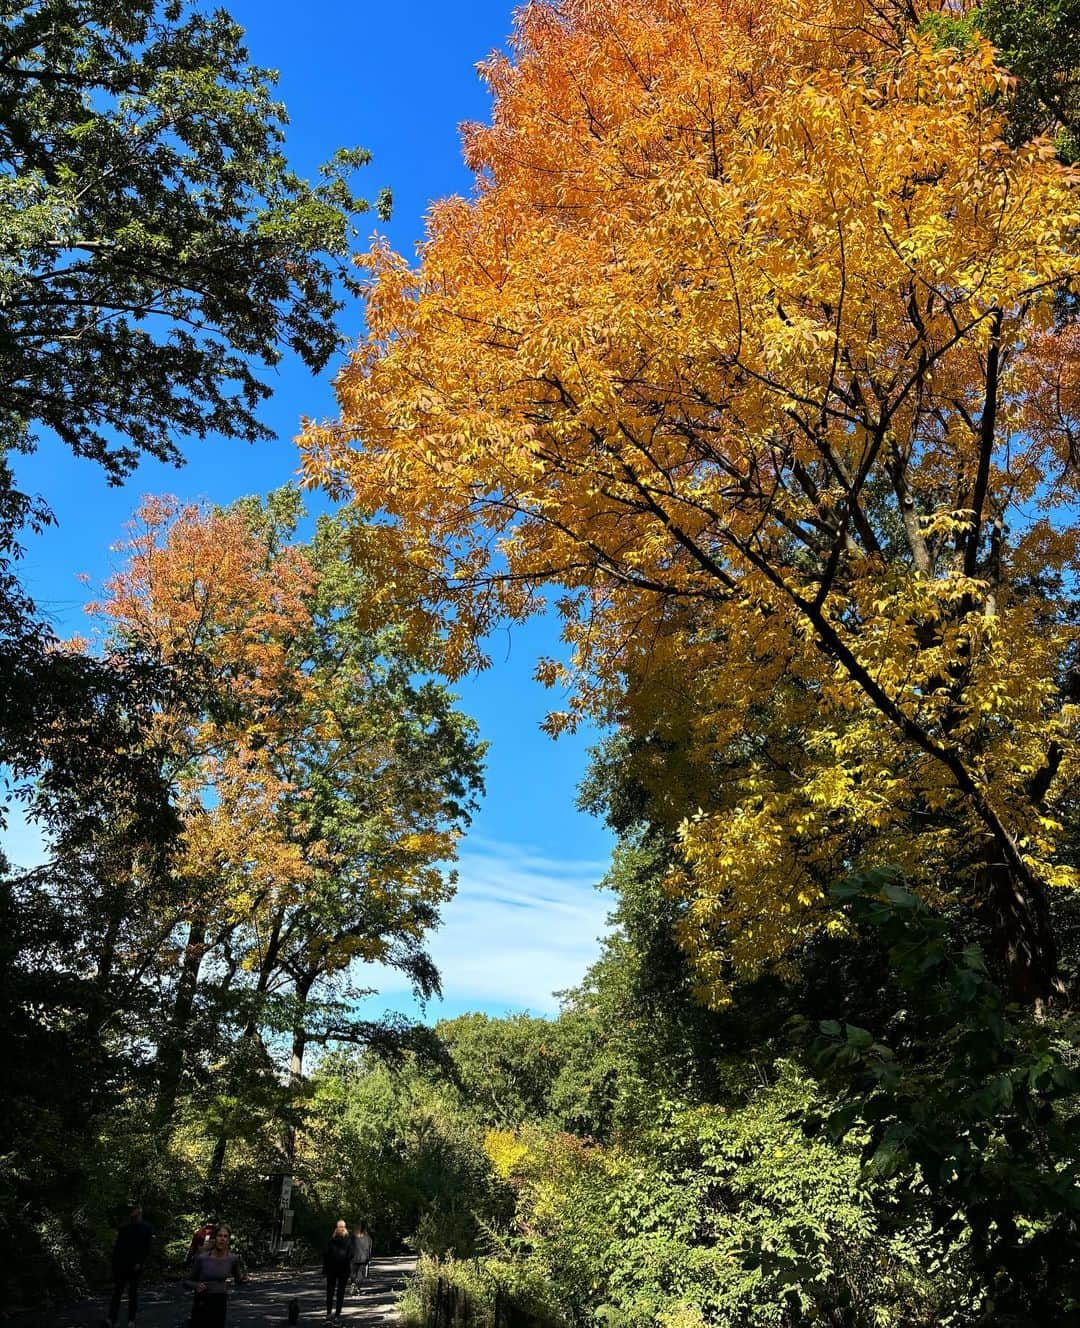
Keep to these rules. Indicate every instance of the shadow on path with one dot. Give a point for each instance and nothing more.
(262, 1300)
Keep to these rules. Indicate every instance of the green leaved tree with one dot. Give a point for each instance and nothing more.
(156, 250)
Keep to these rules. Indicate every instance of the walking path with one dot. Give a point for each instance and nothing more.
(263, 1300)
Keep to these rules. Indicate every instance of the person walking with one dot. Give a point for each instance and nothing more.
(129, 1254)
(361, 1255)
(337, 1265)
(209, 1277)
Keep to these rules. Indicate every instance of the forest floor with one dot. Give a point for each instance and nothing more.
(262, 1300)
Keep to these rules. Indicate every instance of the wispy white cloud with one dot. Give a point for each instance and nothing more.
(522, 926)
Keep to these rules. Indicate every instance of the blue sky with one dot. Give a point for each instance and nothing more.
(398, 80)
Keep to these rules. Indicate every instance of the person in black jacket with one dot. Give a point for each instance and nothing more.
(128, 1257)
(337, 1264)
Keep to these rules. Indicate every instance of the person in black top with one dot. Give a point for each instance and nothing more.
(128, 1257)
(337, 1264)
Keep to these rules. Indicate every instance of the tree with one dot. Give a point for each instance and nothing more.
(505, 1068)
(155, 248)
(746, 340)
(323, 781)
(965, 1110)
(394, 1147)
(83, 936)
(1038, 44)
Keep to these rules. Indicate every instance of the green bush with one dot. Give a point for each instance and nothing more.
(717, 1215)
(478, 1293)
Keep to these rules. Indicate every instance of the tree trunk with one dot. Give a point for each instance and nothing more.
(170, 1057)
(101, 1007)
(1021, 929)
(266, 971)
(296, 1059)
(214, 1173)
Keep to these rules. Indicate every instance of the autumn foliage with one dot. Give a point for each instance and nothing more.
(205, 595)
(321, 781)
(753, 338)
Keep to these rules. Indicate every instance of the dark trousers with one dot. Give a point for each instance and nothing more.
(124, 1277)
(208, 1311)
(335, 1289)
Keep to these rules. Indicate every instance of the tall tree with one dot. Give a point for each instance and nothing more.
(84, 932)
(322, 780)
(746, 339)
(155, 252)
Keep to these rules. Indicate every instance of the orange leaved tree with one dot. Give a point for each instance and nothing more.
(322, 779)
(753, 337)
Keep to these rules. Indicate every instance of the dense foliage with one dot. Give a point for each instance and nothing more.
(757, 341)
(910, 1160)
(283, 805)
(750, 343)
(157, 256)
(155, 248)
(756, 344)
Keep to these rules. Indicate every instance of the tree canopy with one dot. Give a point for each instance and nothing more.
(750, 339)
(755, 343)
(261, 792)
(156, 250)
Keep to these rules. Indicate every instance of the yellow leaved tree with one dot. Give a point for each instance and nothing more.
(753, 337)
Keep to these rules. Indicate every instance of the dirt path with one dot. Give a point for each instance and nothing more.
(263, 1300)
